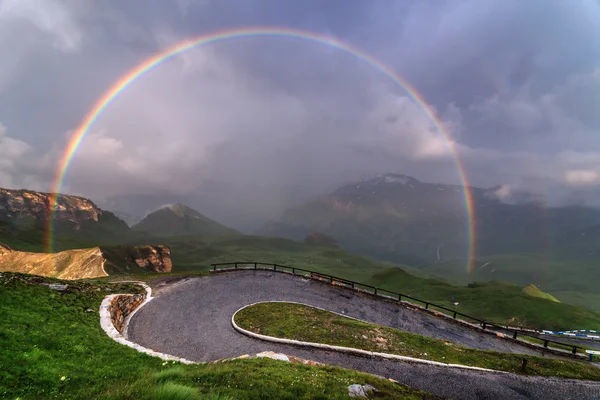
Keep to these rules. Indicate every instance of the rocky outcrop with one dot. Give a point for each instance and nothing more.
(128, 258)
(122, 306)
(87, 263)
(153, 258)
(28, 204)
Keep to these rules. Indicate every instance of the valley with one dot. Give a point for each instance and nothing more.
(179, 244)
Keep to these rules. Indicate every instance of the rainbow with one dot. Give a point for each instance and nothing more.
(137, 72)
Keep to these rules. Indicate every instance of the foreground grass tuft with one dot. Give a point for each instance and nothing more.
(174, 391)
(168, 374)
(299, 322)
(54, 348)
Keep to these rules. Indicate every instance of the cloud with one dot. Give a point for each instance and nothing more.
(279, 112)
(581, 177)
(17, 169)
(50, 19)
(503, 192)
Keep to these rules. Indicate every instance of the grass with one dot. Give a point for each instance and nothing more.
(534, 291)
(299, 322)
(569, 280)
(494, 301)
(53, 349)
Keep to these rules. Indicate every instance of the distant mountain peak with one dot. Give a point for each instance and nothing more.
(179, 219)
(182, 210)
(397, 179)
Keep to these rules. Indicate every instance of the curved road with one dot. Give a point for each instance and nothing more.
(192, 319)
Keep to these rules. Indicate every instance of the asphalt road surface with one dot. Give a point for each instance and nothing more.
(192, 319)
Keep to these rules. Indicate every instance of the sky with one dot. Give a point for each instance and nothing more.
(275, 120)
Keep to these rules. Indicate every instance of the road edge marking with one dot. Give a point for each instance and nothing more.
(114, 334)
(348, 350)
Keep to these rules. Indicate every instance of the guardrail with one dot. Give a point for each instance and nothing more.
(388, 294)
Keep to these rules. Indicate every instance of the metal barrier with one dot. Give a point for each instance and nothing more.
(388, 294)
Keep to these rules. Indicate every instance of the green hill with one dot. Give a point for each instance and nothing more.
(572, 281)
(52, 348)
(495, 301)
(534, 291)
(178, 219)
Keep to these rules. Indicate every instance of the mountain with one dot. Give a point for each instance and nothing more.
(129, 219)
(244, 205)
(178, 219)
(87, 263)
(399, 218)
(24, 215)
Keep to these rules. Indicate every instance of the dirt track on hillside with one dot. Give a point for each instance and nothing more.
(192, 319)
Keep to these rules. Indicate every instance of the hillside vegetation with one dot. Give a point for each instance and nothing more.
(53, 348)
(534, 291)
(494, 301)
(309, 324)
(572, 281)
(498, 302)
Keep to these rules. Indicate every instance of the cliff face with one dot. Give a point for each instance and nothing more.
(27, 204)
(87, 263)
(149, 258)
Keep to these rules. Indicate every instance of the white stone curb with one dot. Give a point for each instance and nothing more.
(113, 333)
(348, 350)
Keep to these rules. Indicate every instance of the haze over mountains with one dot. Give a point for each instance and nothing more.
(389, 217)
(401, 219)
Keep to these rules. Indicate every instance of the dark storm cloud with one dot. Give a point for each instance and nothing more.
(515, 83)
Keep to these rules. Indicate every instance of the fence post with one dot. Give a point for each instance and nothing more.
(254, 265)
(427, 306)
(515, 335)
(274, 267)
(575, 352)
(235, 265)
(294, 271)
(454, 316)
(399, 297)
(483, 326)
(375, 290)
(352, 284)
(545, 343)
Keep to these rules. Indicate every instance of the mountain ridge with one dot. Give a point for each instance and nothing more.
(178, 219)
(399, 218)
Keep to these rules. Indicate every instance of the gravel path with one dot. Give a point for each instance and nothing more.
(192, 319)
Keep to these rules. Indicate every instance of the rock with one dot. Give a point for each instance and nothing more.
(88, 310)
(154, 258)
(28, 205)
(151, 258)
(357, 390)
(274, 356)
(56, 286)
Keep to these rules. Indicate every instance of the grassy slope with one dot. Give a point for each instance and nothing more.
(294, 321)
(178, 220)
(571, 281)
(495, 301)
(52, 348)
(534, 291)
